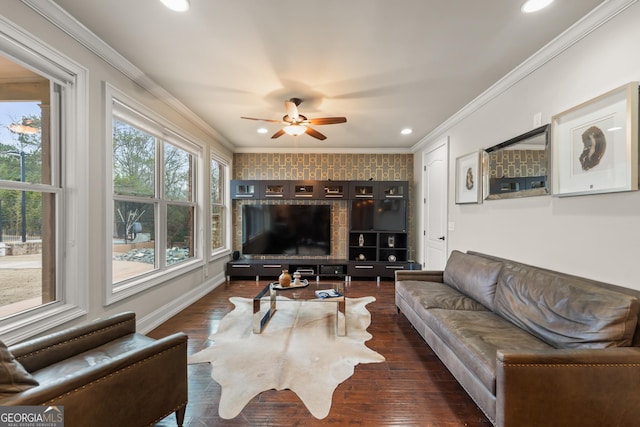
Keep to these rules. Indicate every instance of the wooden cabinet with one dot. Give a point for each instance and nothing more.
(275, 189)
(271, 269)
(241, 269)
(393, 190)
(363, 189)
(243, 189)
(318, 190)
(377, 234)
(377, 253)
(309, 190)
(335, 189)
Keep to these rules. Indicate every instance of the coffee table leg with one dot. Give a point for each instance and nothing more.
(259, 322)
(341, 318)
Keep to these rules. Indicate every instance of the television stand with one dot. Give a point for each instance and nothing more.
(272, 268)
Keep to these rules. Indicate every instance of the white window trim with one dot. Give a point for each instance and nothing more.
(225, 250)
(72, 223)
(167, 131)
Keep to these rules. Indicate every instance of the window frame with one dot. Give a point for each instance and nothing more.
(120, 106)
(69, 130)
(225, 204)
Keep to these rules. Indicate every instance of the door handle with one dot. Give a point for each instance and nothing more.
(441, 238)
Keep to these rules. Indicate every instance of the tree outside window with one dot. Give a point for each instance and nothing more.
(148, 216)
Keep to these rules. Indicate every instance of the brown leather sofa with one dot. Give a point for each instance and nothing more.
(531, 346)
(105, 374)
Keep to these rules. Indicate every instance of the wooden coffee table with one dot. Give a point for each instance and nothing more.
(270, 295)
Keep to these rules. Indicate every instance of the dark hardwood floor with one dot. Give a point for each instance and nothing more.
(411, 388)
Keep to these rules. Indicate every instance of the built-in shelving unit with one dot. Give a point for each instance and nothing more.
(377, 239)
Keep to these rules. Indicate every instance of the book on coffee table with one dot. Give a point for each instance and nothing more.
(328, 293)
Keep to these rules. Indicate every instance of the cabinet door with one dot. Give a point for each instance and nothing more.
(388, 270)
(271, 270)
(335, 189)
(240, 269)
(276, 189)
(393, 189)
(306, 190)
(362, 269)
(243, 189)
(363, 189)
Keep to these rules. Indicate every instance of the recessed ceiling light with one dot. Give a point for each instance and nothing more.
(531, 6)
(262, 130)
(406, 131)
(177, 5)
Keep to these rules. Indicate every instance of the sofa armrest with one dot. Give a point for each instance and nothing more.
(591, 387)
(40, 352)
(154, 377)
(420, 275)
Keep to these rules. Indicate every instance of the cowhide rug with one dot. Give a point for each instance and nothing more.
(298, 350)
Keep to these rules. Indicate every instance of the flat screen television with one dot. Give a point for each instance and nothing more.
(379, 215)
(286, 229)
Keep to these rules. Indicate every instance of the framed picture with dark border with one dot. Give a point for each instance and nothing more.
(469, 178)
(594, 145)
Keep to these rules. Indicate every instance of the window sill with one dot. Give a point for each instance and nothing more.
(26, 325)
(119, 292)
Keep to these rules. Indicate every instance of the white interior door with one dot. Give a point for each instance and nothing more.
(436, 171)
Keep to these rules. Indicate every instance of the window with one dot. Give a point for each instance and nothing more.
(29, 191)
(154, 198)
(43, 235)
(218, 207)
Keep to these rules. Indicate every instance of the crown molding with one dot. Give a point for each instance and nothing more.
(324, 150)
(585, 26)
(76, 30)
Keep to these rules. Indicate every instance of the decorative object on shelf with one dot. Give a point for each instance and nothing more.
(361, 257)
(285, 279)
(468, 183)
(361, 240)
(391, 241)
(595, 145)
(392, 258)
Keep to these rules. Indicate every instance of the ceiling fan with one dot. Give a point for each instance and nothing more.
(297, 124)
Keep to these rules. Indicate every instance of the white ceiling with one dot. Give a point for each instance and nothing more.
(383, 64)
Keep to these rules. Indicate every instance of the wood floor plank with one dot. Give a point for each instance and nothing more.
(411, 388)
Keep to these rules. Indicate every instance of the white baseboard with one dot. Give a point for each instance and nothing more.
(162, 314)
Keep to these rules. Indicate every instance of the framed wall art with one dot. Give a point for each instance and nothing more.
(469, 178)
(595, 145)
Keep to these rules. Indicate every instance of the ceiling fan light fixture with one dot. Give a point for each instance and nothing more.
(294, 130)
(531, 6)
(177, 5)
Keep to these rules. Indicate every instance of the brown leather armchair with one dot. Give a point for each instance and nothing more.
(105, 374)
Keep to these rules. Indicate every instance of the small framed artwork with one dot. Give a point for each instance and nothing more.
(595, 145)
(468, 179)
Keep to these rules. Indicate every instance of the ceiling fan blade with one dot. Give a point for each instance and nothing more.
(314, 133)
(327, 120)
(262, 120)
(278, 134)
(292, 109)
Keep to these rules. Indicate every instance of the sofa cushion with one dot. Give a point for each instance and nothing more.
(13, 377)
(476, 336)
(425, 295)
(565, 311)
(473, 276)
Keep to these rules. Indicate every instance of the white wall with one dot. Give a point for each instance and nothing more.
(155, 304)
(596, 236)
